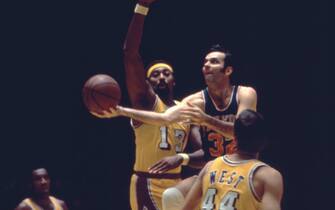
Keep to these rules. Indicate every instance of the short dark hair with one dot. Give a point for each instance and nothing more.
(250, 131)
(228, 56)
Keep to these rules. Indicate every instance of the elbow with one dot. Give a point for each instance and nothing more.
(129, 51)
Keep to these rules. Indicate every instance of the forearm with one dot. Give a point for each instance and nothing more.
(134, 34)
(148, 117)
(140, 92)
(197, 159)
(223, 127)
(193, 197)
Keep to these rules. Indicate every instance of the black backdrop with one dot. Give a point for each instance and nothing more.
(51, 48)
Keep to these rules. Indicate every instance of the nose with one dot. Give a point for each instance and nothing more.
(206, 64)
(161, 76)
(43, 181)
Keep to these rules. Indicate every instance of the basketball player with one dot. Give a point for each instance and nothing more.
(214, 108)
(153, 90)
(41, 199)
(239, 180)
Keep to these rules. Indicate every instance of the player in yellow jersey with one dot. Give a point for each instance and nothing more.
(153, 90)
(239, 181)
(215, 109)
(41, 199)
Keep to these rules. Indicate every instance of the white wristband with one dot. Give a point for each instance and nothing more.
(139, 9)
(186, 158)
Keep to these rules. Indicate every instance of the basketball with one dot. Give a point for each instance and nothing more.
(101, 92)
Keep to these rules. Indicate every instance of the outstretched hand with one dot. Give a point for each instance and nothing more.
(112, 112)
(194, 114)
(166, 164)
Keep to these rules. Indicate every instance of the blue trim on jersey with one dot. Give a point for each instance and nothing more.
(210, 107)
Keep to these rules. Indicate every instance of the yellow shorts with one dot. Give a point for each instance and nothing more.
(146, 193)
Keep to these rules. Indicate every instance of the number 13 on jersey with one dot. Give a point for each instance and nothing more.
(178, 139)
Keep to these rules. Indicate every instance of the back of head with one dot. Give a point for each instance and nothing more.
(250, 131)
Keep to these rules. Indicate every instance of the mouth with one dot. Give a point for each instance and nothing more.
(162, 85)
(206, 71)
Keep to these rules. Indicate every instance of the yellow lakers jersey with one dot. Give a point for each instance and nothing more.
(228, 184)
(35, 206)
(155, 142)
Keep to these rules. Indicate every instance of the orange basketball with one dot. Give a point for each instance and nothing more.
(101, 92)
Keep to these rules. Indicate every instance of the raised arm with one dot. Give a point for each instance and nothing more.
(140, 92)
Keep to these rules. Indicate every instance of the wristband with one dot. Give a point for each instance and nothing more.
(186, 158)
(139, 9)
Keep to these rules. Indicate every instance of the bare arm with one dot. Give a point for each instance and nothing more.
(140, 92)
(151, 117)
(171, 162)
(197, 157)
(247, 100)
(194, 196)
(272, 187)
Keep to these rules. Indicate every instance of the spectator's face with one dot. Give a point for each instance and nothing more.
(41, 181)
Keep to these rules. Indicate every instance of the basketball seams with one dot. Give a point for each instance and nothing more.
(101, 92)
(96, 87)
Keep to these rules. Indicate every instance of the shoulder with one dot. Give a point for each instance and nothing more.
(269, 176)
(62, 203)
(245, 91)
(195, 99)
(23, 206)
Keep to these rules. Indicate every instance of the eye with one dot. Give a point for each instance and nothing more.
(215, 61)
(167, 73)
(155, 74)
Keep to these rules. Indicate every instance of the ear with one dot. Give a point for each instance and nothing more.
(229, 70)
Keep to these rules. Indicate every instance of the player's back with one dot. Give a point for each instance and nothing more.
(155, 142)
(229, 184)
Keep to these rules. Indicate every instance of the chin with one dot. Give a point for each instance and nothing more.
(162, 92)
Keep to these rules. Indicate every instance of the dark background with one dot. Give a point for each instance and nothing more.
(51, 48)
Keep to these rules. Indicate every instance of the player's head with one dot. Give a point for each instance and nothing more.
(40, 181)
(250, 131)
(160, 76)
(217, 64)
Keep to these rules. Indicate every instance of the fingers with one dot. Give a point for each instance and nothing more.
(190, 104)
(97, 115)
(155, 168)
(112, 109)
(161, 169)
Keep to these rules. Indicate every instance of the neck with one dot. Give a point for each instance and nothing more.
(220, 90)
(168, 100)
(241, 155)
(41, 198)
